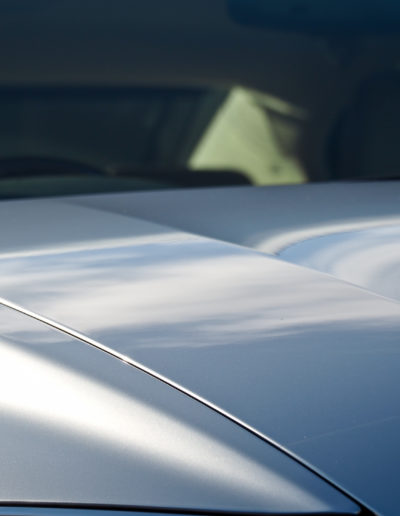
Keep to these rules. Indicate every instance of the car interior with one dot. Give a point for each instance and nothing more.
(179, 94)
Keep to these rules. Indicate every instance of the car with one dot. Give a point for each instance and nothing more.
(199, 259)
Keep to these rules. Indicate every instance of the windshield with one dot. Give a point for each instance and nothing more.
(139, 138)
(107, 96)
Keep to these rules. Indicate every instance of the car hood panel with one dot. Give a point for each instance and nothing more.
(369, 258)
(79, 427)
(350, 231)
(307, 360)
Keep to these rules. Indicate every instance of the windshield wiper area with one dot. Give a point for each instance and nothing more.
(36, 166)
(185, 177)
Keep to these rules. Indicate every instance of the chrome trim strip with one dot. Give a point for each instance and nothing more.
(171, 383)
(145, 369)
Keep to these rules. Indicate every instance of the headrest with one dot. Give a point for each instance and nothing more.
(366, 141)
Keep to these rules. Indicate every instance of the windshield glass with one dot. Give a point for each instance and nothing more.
(141, 138)
(102, 96)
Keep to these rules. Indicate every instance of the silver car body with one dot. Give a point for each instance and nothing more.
(241, 356)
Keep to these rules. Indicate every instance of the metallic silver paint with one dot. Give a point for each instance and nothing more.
(305, 359)
(81, 427)
(347, 230)
(369, 258)
(267, 219)
(138, 365)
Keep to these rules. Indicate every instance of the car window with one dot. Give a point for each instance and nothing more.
(154, 94)
(142, 138)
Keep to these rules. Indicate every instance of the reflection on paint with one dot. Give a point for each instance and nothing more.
(141, 442)
(369, 258)
(292, 352)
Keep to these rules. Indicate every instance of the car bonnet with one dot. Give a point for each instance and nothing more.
(298, 357)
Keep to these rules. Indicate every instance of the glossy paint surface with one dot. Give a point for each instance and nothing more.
(350, 231)
(267, 219)
(307, 360)
(369, 258)
(79, 426)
